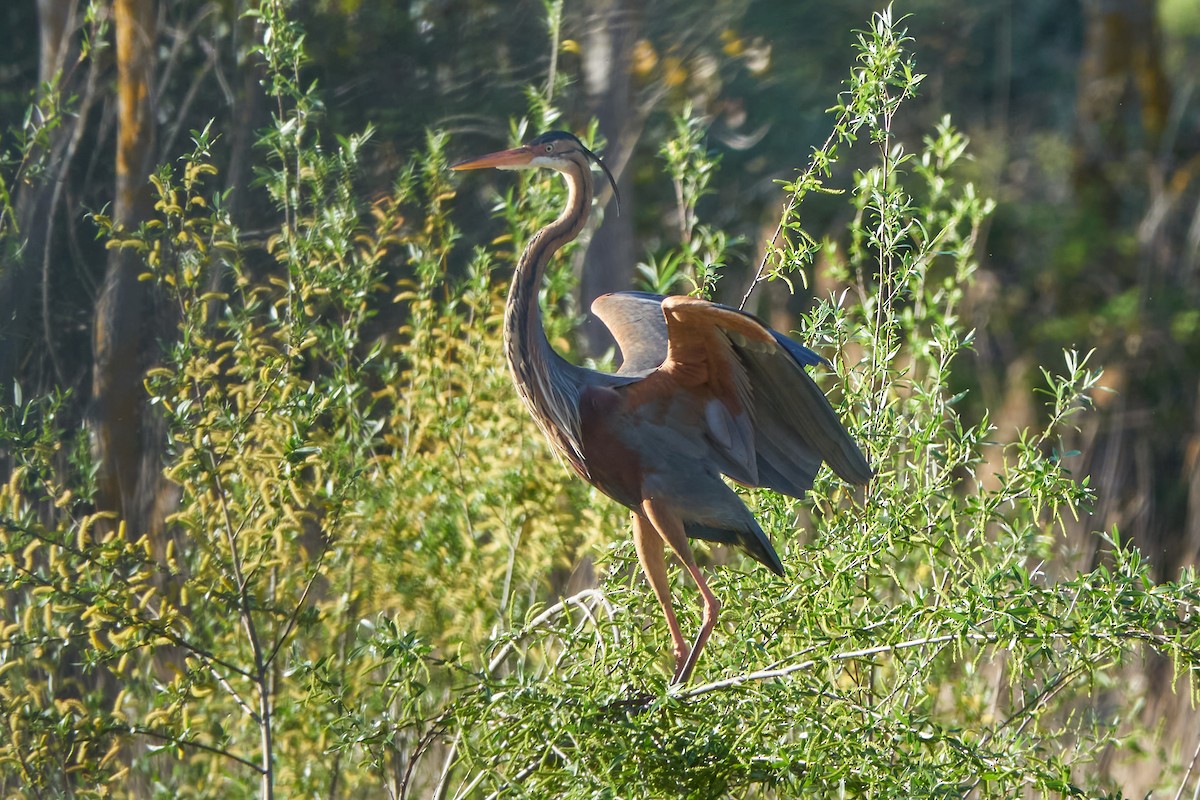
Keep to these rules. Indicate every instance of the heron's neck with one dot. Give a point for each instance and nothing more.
(545, 381)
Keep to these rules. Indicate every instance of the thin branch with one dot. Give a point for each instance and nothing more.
(436, 728)
(528, 770)
(1191, 768)
(577, 599)
(554, 11)
(245, 609)
(1026, 712)
(189, 99)
(801, 190)
(439, 791)
(235, 694)
(87, 100)
(551, 612)
(166, 737)
(155, 625)
(299, 606)
(769, 674)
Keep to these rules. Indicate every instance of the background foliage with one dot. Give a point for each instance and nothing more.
(355, 568)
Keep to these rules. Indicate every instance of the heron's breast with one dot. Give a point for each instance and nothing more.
(613, 465)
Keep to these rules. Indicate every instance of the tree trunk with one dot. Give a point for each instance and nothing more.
(612, 30)
(34, 204)
(1123, 90)
(56, 21)
(121, 336)
(1122, 110)
(1123, 175)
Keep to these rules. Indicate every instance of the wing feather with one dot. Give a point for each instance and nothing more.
(766, 418)
(636, 321)
(751, 368)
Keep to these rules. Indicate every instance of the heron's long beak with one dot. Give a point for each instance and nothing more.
(505, 159)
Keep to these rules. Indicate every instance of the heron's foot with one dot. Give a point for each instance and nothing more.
(683, 671)
(683, 664)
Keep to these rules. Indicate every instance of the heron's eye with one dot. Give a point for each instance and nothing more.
(549, 148)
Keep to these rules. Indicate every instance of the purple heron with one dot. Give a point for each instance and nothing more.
(703, 390)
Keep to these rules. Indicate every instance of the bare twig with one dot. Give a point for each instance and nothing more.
(192, 743)
(439, 791)
(423, 744)
(551, 612)
(801, 190)
(246, 611)
(770, 674)
(298, 607)
(1191, 768)
(579, 599)
(528, 770)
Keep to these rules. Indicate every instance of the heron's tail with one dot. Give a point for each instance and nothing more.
(749, 537)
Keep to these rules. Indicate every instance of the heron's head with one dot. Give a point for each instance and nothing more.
(557, 150)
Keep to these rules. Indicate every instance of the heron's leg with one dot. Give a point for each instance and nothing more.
(670, 527)
(649, 546)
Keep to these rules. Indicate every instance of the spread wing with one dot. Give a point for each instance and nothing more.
(766, 419)
(636, 321)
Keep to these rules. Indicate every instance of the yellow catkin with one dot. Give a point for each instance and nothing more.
(14, 481)
(82, 537)
(111, 754)
(28, 553)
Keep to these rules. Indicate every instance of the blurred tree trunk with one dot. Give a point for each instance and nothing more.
(34, 202)
(248, 116)
(1131, 173)
(1121, 166)
(1123, 99)
(122, 335)
(611, 30)
(56, 22)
